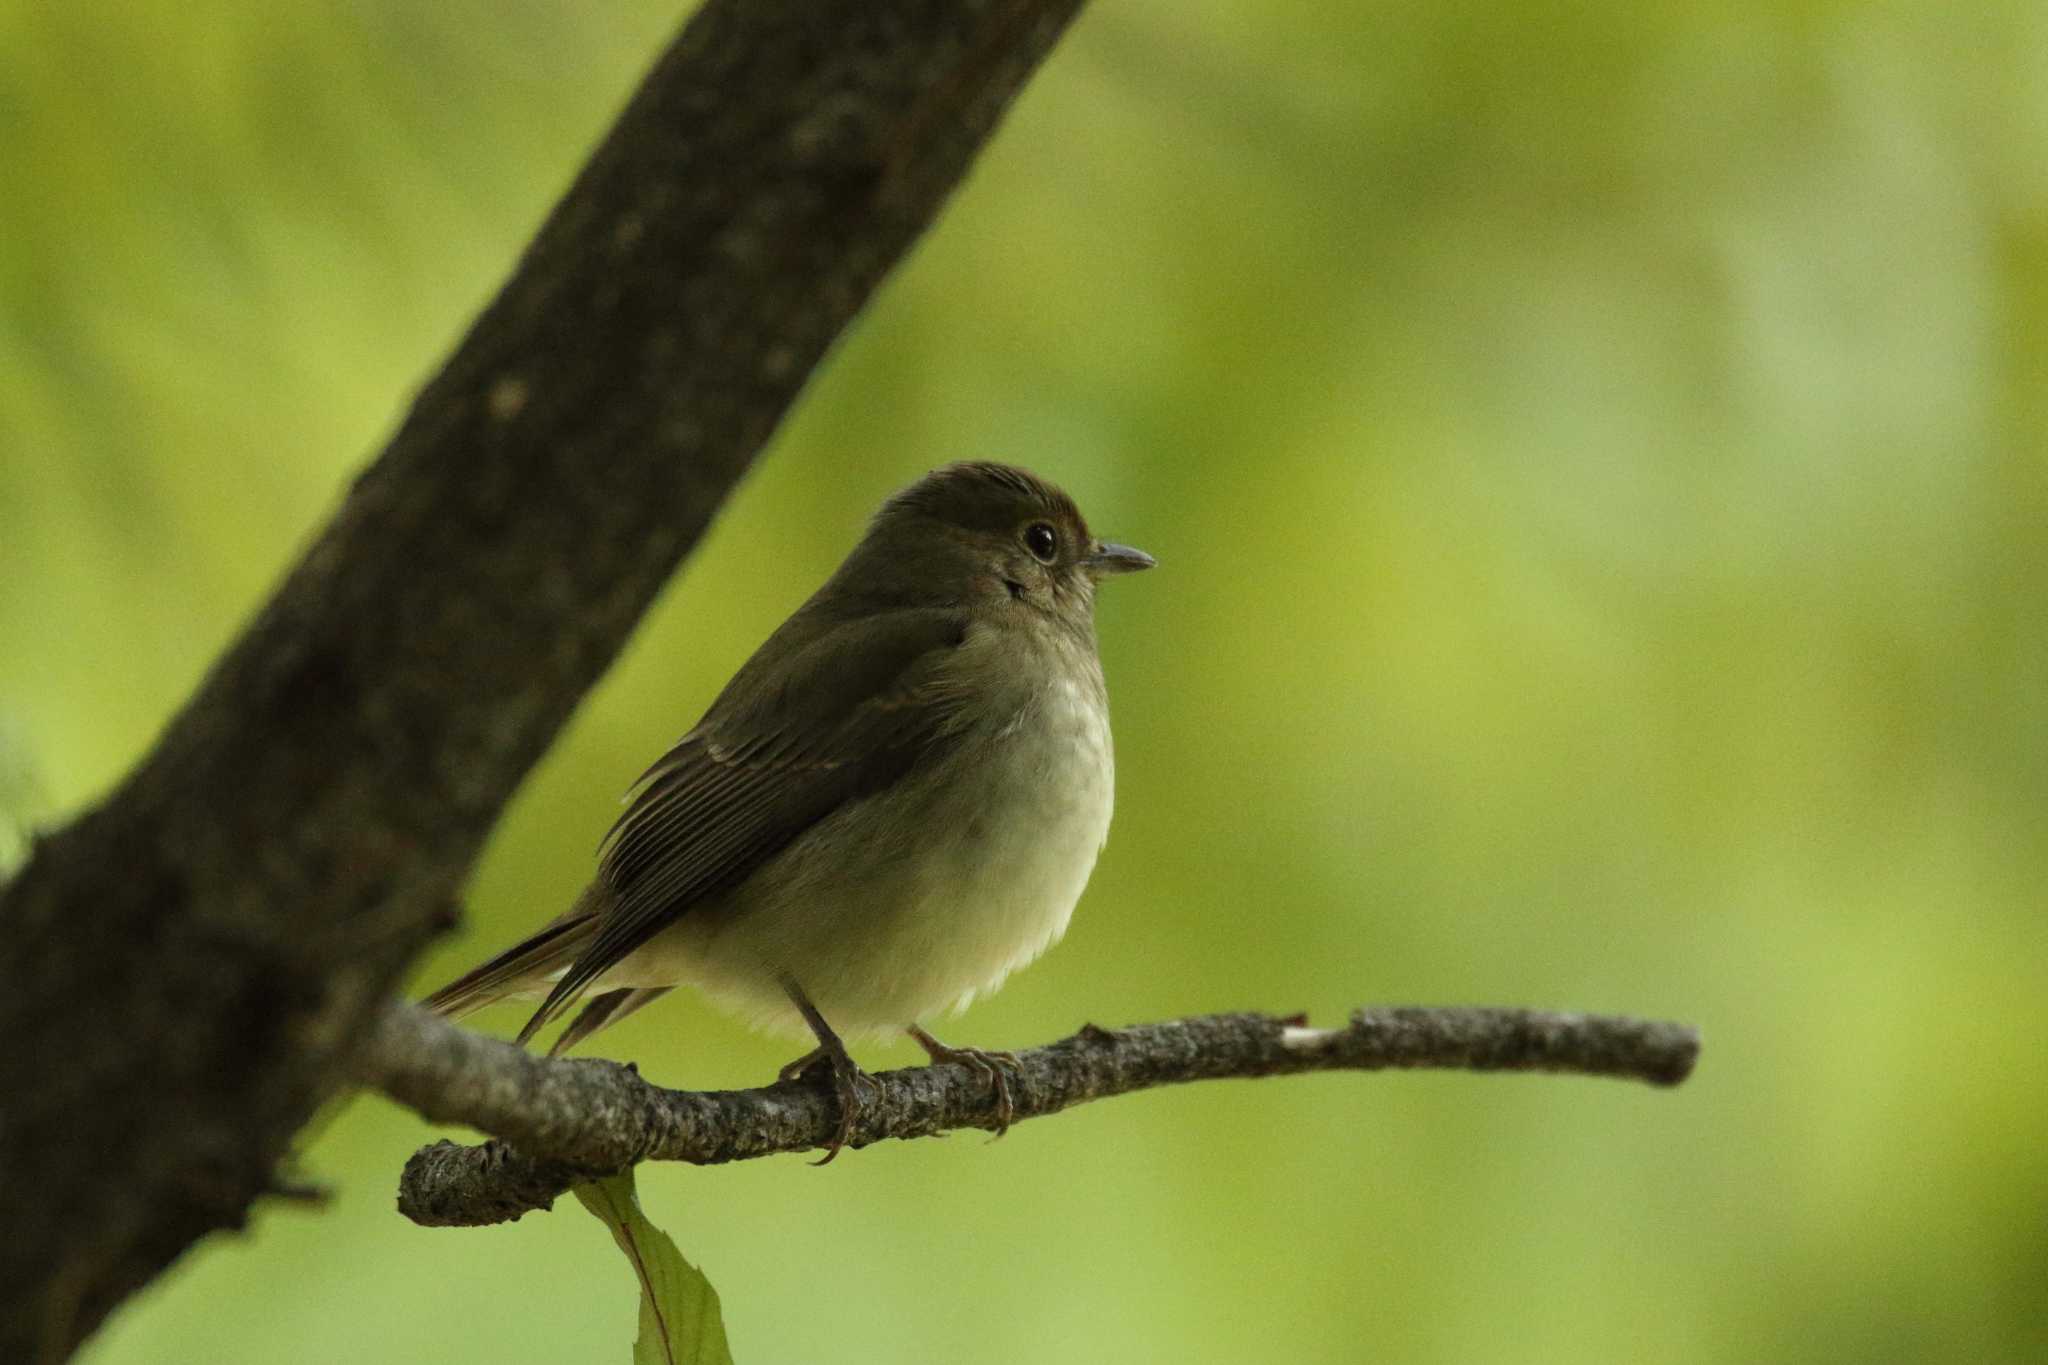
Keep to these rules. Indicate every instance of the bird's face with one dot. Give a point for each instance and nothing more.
(1000, 537)
(1048, 561)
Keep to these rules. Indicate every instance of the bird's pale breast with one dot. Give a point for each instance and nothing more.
(930, 893)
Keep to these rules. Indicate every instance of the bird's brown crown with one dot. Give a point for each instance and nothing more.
(980, 495)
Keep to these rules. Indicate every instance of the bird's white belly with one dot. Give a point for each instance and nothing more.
(920, 898)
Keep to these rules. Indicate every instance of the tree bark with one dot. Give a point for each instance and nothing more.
(191, 966)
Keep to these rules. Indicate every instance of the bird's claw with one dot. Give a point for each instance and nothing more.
(846, 1078)
(996, 1066)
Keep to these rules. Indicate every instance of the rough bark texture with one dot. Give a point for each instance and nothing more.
(189, 966)
(570, 1120)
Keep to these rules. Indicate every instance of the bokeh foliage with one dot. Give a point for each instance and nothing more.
(1596, 458)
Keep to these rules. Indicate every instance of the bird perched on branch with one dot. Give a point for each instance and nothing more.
(893, 805)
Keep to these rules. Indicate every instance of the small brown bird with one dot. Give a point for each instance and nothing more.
(893, 805)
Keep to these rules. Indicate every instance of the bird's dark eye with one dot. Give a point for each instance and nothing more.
(1042, 541)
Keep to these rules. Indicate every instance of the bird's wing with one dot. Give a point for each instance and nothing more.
(852, 708)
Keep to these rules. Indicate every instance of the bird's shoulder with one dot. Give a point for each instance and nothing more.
(838, 687)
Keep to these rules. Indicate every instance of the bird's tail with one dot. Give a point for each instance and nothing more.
(532, 965)
(604, 1011)
(527, 967)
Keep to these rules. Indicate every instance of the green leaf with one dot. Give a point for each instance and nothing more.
(680, 1323)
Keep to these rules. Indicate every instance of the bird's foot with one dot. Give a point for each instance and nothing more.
(847, 1079)
(997, 1066)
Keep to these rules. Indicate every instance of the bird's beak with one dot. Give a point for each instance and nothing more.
(1112, 558)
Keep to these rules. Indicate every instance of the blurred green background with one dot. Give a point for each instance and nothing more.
(1597, 456)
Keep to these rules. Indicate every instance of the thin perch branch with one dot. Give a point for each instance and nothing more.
(562, 1121)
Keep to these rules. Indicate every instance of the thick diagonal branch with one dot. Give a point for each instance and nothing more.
(564, 1121)
(189, 966)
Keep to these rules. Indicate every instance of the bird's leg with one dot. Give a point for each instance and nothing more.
(846, 1074)
(990, 1064)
